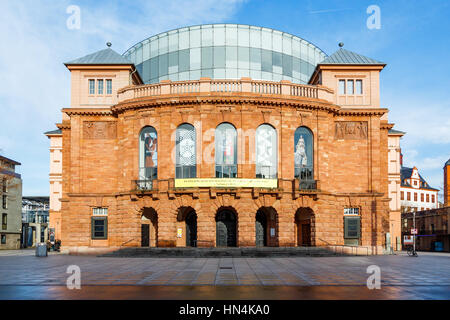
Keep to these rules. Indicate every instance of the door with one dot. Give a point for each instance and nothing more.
(145, 235)
(226, 229)
(191, 230)
(260, 229)
(306, 234)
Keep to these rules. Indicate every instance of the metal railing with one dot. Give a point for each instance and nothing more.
(144, 185)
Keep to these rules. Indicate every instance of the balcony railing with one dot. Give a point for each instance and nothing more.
(244, 85)
(144, 185)
(307, 185)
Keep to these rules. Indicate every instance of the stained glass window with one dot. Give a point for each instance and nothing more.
(303, 154)
(266, 152)
(185, 152)
(148, 157)
(226, 151)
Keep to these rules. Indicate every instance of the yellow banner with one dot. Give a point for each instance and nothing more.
(226, 183)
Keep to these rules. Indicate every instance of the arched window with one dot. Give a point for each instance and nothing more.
(185, 152)
(226, 151)
(148, 154)
(303, 154)
(266, 152)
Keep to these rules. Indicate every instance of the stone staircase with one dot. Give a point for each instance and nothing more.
(139, 252)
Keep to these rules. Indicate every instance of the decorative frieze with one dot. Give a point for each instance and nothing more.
(350, 130)
(99, 130)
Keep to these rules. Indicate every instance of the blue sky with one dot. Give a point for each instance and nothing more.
(414, 41)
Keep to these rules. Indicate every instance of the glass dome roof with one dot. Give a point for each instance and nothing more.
(225, 51)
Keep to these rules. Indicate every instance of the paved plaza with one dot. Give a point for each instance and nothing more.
(22, 275)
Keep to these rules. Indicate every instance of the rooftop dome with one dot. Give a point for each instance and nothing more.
(225, 51)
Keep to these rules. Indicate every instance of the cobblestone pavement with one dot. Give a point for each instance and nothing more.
(23, 268)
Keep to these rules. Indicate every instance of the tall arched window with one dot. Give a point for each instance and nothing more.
(303, 154)
(185, 152)
(226, 151)
(148, 154)
(266, 152)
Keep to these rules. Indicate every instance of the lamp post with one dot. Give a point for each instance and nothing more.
(414, 237)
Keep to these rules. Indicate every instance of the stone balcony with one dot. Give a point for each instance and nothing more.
(244, 86)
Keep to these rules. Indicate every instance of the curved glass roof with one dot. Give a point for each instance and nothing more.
(225, 51)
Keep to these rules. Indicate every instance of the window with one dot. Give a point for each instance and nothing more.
(91, 86)
(100, 211)
(4, 221)
(148, 154)
(402, 195)
(408, 196)
(186, 152)
(303, 154)
(4, 185)
(415, 196)
(351, 211)
(108, 86)
(5, 201)
(428, 198)
(341, 86)
(350, 87)
(352, 227)
(100, 86)
(266, 152)
(415, 182)
(99, 227)
(226, 151)
(432, 198)
(3, 239)
(359, 89)
(421, 197)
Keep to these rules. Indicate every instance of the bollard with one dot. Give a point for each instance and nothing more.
(41, 249)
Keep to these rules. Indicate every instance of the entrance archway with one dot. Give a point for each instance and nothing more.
(191, 229)
(186, 227)
(304, 220)
(261, 229)
(226, 223)
(266, 227)
(149, 228)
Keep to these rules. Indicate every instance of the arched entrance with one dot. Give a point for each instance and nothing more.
(266, 227)
(304, 220)
(186, 227)
(226, 228)
(191, 229)
(149, 228)
(261, 229)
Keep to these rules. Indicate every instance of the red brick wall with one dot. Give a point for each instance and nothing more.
(99, 172)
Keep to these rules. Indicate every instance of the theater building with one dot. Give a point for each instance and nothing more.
(221, 135)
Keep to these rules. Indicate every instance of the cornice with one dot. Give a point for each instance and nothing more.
(63, 126)
(88, 111)
(146, 102)
(362, 112)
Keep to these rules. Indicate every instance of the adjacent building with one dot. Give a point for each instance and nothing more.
(11, 199)
(35, 218)
(415, 193)
(223, 135)
(447, 184)
(394, 237)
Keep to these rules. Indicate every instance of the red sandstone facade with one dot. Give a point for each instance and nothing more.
(100, 159)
